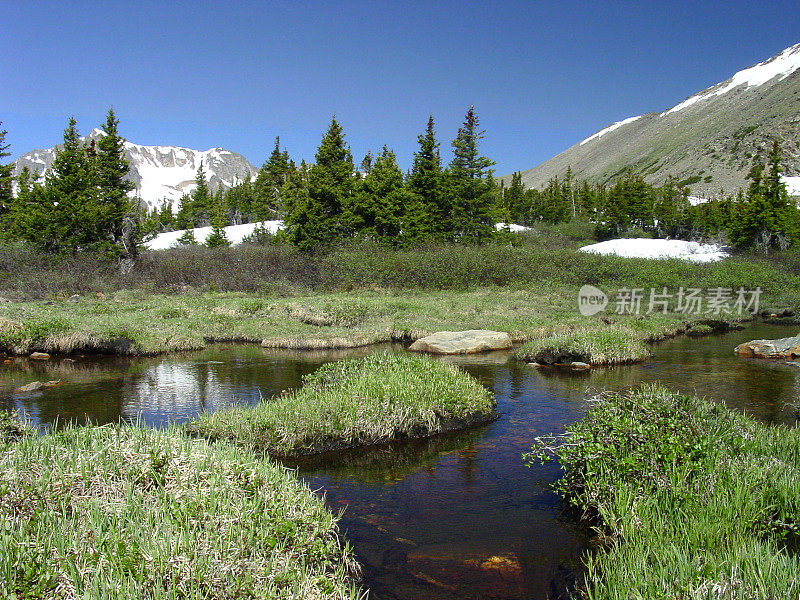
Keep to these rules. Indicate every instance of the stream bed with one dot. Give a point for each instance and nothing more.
(452, 517)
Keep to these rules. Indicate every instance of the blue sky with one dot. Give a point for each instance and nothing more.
(542, 75)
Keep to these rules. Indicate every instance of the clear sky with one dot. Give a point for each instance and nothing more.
(542, 75)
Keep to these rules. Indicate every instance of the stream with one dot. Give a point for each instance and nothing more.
(456, 516)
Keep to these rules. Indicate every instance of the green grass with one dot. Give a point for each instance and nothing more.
(691, 500)
(130, 513)
(353, 402)
(354, 296)
(610, 345)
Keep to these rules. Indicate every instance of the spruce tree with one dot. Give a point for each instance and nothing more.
(268, 203)
(514, 199)
(68, 201)
(217, 237)
(114, 203)
(201, 204)
(470, 185)
(765, 217)
(428, 212)
(5, 176)
(378, 203)
(321, 216)
(187, 238)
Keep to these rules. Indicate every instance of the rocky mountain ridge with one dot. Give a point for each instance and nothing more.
(161, 172)
(708, 141)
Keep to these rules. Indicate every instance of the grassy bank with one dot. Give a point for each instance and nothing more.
(356, 402)
(123, 512)
(691, 500)
(184, 299)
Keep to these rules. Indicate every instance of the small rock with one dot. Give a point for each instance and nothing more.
(39, 356)
(74, 298)
(69, 360)
(580, 365)
(533, 364)
(31, 387)
(100, 296)
(49, 384)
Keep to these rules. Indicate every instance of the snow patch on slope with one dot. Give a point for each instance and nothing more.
(658, 249)
(782, 65)
(610, 128)
(234, 233)
(512, 227)
(792, 184)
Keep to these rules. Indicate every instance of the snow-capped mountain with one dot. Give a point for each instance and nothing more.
(162, 172)
(707, 141)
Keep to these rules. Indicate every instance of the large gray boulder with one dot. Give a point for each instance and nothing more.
(788, 348)
(462, 342)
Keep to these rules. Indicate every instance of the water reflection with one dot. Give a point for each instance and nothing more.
(454, 516)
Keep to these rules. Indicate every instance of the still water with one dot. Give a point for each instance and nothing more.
(456, 516)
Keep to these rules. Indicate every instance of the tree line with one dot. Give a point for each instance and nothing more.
(333, 200)
(84, 201)
(763, 216)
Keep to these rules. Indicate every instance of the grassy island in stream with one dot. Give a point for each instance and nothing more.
(692, 501)
(356, 402)
(129, 513)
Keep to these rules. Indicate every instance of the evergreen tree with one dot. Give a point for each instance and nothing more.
(366, 163)
(273, 174)
(188, 239)
(470, 185)
(427, 211)
(5, 176)
(114, 205)
(219, 219)
(514, 199)
(378, 204)
(197, 212)
(322, 216)
(765, 217)
(68, 200)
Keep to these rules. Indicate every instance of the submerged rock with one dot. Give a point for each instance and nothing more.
(33, 386)
(787, 348)
(462, 342)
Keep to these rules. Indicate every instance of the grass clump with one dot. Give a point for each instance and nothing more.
(12, 428)
(124, 512)
(611, 345)
(356, 402)
(691, 499)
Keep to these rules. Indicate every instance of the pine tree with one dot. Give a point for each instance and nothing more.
(428, 211)
(201, 204)
(765, 217)
(470, 185)
(321, 216)
(68, 200)
(187, 239)
(5, 176)
(268, 203)
(378, 203)
(366, 163)
(514, 199)
(114, 204)
(217, 237)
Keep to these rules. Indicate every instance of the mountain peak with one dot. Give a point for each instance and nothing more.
(161, 173)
